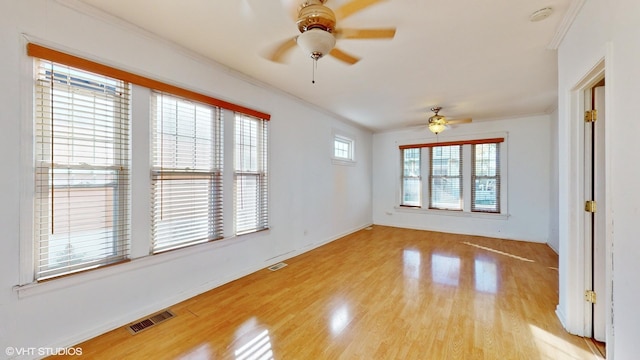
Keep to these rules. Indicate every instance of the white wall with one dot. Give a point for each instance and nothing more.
(603, 30)
(527, 180)
(312, 201)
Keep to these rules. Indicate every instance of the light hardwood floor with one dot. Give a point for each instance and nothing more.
(385, 293)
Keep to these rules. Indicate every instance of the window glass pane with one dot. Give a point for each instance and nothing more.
(486, 178)
(251, 169)
(187, 173)
(411, 179)
(82, 159)
(446, 178)
(343, 148)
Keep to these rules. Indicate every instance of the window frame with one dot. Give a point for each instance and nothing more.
(459, 177)
(496, 177)
(467, 142)
(140, 165)
(77, 131)
(347, 139)
(260, 172)
(177, 177)
(405, 177)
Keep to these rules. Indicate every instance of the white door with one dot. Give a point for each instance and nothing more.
(599, 257)
(594, 189)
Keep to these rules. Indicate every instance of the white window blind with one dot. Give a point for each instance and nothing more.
(186, 174)
(411, 179)
(446, 177)
(485, 175)
(82, 170)
(251, 175)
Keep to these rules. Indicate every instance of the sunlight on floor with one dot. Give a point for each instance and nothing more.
(411, 262)
(339, 320)
(258, 348)
(497, 251)
(445, 269)
(553, 347)
(486, 275)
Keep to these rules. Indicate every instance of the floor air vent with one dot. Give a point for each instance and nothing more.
(152, 320)
(277, 266)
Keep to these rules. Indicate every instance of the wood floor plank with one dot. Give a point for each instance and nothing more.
(385, 293)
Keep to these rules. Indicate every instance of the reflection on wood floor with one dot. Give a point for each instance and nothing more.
(385, 293)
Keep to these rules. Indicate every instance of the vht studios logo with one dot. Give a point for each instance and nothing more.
(42, 351)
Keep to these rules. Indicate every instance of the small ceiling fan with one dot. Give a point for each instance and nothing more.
(317, 25)
(438, 123)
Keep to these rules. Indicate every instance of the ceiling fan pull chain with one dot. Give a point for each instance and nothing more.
(314, 65)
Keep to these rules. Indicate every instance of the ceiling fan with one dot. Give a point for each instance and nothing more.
(438, 123)
(317, 25)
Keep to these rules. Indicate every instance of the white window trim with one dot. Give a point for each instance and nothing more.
(466, 175)
(141, 255)
(345, 137)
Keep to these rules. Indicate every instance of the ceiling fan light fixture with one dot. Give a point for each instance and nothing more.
(316, 42)
(437, 123)
(436, 128)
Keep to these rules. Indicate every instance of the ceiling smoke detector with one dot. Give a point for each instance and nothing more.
(540, 14)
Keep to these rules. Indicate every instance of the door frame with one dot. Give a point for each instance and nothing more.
(580, 251)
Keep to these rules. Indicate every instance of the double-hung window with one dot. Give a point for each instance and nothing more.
(454, 170)
(411, 177)
(485, 178)
(187, 172)
(251, 174)
(82, 170)
(445, 177)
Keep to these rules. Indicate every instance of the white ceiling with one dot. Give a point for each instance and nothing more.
(480, 59)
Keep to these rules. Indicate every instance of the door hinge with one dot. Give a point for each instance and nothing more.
(590, 296)
(590, 116)
(590, 206)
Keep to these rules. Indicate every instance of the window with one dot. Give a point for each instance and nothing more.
(343, 148)
(485, 175)
(446, 177)
(454, 169)
(82, 170)
(187, 172)
(89, 182)
(411, 179)
(250, 177)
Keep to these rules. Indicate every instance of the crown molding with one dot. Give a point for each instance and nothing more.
(565, 24)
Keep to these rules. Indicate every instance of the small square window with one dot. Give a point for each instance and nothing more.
(343, 148)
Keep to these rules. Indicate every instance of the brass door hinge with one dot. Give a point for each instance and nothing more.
(590, 296)
(590, 116)
(590, 206)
